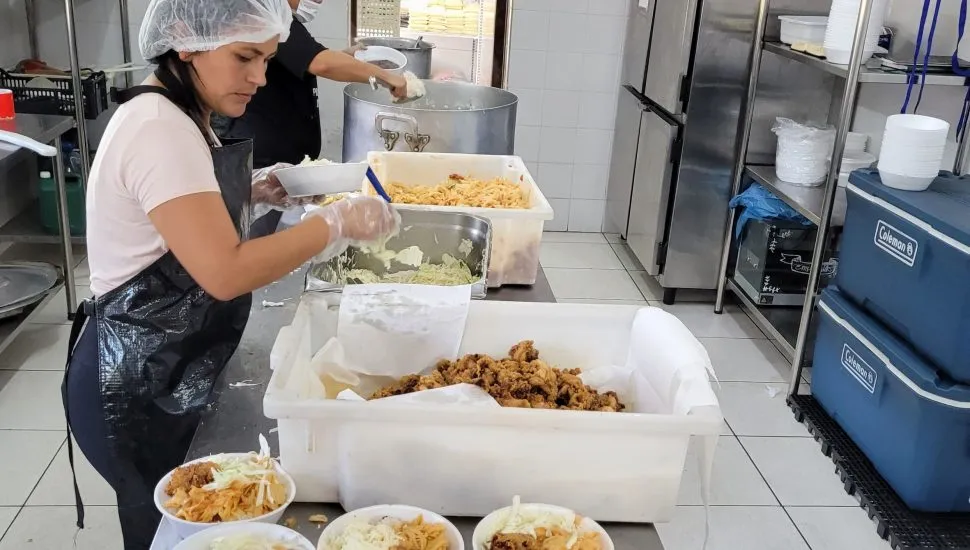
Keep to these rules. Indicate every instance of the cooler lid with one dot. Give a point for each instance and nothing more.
(945, 206)
(897, 358)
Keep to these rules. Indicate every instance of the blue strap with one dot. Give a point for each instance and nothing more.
(919, 43)
(929, 50)
(957, 69)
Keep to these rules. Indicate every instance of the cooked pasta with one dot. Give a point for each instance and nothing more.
(461, 190)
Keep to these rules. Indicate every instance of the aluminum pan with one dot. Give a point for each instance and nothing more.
(435, 233)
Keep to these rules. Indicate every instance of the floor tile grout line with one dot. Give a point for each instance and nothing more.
(20, 510)
(47, 469)
(770, 488)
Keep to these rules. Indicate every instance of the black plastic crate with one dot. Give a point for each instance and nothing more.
(59, 99)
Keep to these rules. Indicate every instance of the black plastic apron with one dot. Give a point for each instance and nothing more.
(162, 342)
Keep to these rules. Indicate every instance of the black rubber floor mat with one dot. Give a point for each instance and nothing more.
(905, 529)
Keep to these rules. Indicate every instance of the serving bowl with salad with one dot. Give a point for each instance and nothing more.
(224, 489)
(391, 527)
(539, 526)
(246, 536)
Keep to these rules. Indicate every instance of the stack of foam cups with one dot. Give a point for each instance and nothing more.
(912, 151)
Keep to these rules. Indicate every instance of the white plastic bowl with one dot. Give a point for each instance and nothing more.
(322, 179)
(491, 523)
(394, 511)
(185, 529)
(917, 122)
(277, 533)
(383, 53)
(856, 142)
(905, 183)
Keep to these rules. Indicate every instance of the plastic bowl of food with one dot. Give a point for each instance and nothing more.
(268, 511)
(233, 536)
(526, 519)
(387, 520)
(314, 178)
(386, 58)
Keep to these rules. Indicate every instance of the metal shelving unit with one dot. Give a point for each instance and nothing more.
(80, 122)
(790, 328)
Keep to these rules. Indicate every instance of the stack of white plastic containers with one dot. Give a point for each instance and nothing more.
(912, 151)
(841, 30)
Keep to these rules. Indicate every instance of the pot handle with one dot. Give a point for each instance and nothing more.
(391, 137)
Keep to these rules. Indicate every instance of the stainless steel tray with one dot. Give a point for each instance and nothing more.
(22, 284)
(435, 233)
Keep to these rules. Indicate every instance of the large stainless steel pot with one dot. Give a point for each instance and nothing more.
(419, 55)
(452, 118)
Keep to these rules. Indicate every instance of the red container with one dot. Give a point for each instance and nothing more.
(6, 105)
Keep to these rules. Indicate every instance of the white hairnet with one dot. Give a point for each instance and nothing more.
(203, 25)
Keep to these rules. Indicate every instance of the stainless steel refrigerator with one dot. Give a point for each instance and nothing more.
(684, 75)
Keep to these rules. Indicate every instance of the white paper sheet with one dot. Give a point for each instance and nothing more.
(395, 330)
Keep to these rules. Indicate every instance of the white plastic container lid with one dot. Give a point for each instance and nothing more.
(808, 20)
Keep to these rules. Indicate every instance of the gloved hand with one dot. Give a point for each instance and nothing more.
(267, 188)
(356, 220)
(268, 193)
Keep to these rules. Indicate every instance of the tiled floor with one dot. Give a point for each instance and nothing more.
(772, 487)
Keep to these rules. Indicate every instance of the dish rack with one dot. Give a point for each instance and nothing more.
(56, 95)
(379, 18)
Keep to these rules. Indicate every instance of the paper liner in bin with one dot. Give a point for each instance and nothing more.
(608, 466)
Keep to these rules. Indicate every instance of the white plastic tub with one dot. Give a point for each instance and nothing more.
(466, 461)
(803, 28)
(516, 234)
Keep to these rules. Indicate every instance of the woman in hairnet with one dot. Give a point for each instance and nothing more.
(171, 268)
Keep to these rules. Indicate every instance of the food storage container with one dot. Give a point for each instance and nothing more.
(906, 261)
(469, 461)
(912, 422)
(803, 28)
(516, 233)
(461, 236)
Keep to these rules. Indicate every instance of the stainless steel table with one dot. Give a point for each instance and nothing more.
(45, 129)
(235, 419)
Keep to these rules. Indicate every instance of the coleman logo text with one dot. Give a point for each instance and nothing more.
(859, 369)
(899, 245)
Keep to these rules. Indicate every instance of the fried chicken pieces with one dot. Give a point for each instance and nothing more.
(545, 539)
(521, 380)
(189, 476)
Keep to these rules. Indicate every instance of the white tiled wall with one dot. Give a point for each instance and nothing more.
(564, 66)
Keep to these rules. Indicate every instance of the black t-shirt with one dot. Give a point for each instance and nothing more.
(283, 117)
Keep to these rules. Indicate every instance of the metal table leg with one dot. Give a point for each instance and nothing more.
(64, 225)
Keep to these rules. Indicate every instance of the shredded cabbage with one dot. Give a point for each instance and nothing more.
(450, 272)
(251, 468)
(250, 542)
(307, 161)
(526, 520)
(362, 535)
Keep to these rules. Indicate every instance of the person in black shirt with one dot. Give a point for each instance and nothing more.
(283, 118)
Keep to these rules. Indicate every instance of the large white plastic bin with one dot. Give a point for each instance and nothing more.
(466, 461)
(516, 233)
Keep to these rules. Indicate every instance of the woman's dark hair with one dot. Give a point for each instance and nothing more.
(176, 75)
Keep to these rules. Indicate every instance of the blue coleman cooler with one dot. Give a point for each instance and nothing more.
(906, 260)
(913, 424)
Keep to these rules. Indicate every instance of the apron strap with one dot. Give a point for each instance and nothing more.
(80, 320)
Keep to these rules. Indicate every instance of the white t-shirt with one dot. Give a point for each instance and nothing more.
(151, 153)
